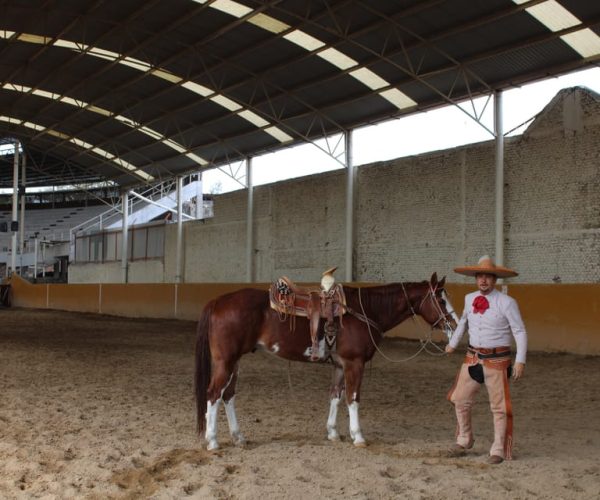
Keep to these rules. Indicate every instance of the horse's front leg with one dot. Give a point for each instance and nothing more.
(335, 394)
(353, 373)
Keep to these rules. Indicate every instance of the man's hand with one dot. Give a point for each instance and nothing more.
(518, 371)
(449, 350)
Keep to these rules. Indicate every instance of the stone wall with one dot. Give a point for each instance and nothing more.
(423, 213)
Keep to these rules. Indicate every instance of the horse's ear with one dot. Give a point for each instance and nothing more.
(442, 282)
(433, 281)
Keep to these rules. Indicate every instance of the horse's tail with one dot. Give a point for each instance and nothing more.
(203, 364)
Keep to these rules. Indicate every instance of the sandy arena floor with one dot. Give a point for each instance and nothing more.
(102, 407)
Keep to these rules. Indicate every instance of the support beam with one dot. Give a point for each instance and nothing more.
(15, 209)
(125, 205)
(499, 133)
(22, 195)
(160, 205)
(179, 254)
(199, 198)
(249, 223)
(350, 183)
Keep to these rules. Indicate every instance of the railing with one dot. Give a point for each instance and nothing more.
(114, 215)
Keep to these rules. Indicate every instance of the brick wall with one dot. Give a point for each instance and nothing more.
(424, 213)
(427, 213)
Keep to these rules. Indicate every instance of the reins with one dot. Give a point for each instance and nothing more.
(424, 342)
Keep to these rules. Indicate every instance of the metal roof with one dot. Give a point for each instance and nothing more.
(134, 91)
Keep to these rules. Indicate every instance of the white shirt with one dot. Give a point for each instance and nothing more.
(493, 328)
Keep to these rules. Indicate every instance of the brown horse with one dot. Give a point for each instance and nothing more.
(243, 321)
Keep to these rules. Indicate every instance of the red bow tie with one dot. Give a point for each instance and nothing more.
(480, 304)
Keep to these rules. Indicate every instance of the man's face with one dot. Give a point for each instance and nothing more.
(485, 282)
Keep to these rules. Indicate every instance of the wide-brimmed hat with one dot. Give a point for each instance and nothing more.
(330, 271)
(486, 265)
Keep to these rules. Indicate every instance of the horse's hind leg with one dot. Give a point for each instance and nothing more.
(229, 401)
(222, 377)
(353, 372)
(335, 394)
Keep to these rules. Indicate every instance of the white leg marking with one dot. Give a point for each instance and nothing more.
(332, 433)
(234, 428)
(355, 431)
(211, 425)
(320, 352)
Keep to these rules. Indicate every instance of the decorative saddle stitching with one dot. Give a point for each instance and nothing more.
(289, 299)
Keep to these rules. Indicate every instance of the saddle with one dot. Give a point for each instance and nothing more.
(289, 299)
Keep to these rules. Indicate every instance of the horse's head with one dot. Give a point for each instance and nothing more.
(435, 307)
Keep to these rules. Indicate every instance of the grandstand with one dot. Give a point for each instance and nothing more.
(53, 219)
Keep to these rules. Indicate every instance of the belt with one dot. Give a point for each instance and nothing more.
(487, 353)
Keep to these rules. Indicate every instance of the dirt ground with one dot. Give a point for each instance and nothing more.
(100, 407)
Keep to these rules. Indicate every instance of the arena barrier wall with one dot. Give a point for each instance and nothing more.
(558, 317)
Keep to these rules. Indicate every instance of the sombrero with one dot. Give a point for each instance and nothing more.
(330, 271)
(486, 265)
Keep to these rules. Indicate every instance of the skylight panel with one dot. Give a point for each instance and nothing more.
(145, 68)
(553, 15)
(557, 18)
(227, 103)
(30, 38)
(253, 118)
(398, 98)
(230, 7)
(166, 75)
(197, 88)
(584, 41)
(104, 112)
(278, 134)
(337, 58)
(82, 144)
(368, 78)
(269, 23)
(304, 40)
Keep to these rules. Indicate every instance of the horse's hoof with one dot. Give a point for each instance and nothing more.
(360, 444)
(212, 445)
(239, 440)
(333, 436)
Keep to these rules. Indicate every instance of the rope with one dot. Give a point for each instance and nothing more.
(423, 343)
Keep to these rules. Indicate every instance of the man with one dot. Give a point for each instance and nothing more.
(491, 317)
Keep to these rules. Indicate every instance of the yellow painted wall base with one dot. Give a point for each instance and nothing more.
(558, 317)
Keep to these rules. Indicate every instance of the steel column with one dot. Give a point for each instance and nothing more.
(15, 209)
(350, 177)
(36, 244)
(499, 133)
(22, 195)
(125, 206)
(179, 255)
(199, 198)
(249, 223)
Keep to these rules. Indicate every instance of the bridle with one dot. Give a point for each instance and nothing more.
(424, 342)
(443, 317)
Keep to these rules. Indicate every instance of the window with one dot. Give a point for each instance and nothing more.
(143, 242)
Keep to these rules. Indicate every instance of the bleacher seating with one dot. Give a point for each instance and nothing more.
(51, 224)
